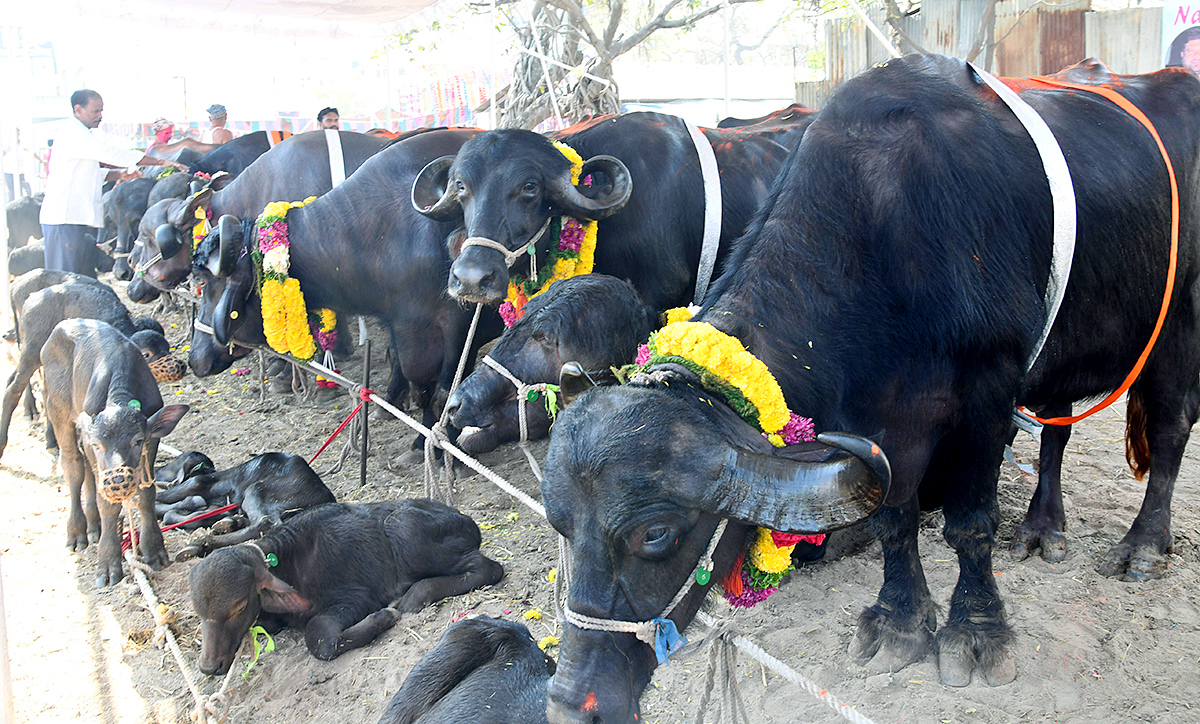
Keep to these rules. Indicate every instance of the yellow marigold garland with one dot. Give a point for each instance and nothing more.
(574, 254)
(285, 314)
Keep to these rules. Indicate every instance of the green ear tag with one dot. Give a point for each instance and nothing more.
(272, 560)
(135, 404)
(532, 395)
(703, 576)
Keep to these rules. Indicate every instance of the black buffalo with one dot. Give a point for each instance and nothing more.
(344, 573)
(894, 284)
(358, 249)
(291, 171)
(647, 188)
(45, 308)
(108, 414)
(482, 671)
(594, 320)
(124, 207)
(267, 489)
(23, 223)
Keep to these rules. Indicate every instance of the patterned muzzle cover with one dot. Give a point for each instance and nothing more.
(168, 369)
(119, 484)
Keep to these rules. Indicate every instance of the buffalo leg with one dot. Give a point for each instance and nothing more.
(898, 629)
(29, 362)
(339, 629)
(73, 464)
(206, 543)
(976, 634)
(1046, 520)
(475, 571)
(1170, 414)
(108, 565)
(152, 548)
(30, 404)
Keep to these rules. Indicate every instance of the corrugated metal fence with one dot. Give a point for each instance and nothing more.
(1030, 37)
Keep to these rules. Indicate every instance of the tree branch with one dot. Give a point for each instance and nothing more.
(660, 22)
(575, 12)
(614, 20)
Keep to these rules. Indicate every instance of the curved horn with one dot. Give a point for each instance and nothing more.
(196, 186)
(808, 488)
(573, 203)
(230, 229)
(220, 180)
(572, 382)
(431, 192)
(168, 240)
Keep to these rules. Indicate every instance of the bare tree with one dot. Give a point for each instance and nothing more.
(562, 33)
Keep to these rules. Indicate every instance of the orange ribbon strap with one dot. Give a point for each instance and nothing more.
(1125, 105)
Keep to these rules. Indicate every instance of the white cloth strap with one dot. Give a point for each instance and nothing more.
(712, 212)
(337, 162)
(1062, 194)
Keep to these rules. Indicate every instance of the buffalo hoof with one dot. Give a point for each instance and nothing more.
(77, 541)
(891, 644)
(229, 524)
(378, 414)
(1052, 544)
(109, 573)
(1134, 564)
(188, 552)
(963, 648)
(477, 440)
(280, 385)
(407, 459)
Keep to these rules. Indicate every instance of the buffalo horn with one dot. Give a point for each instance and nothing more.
(432, 195)
(568, 198)
(168, 241)
(572, 382)
(196, 186)
(808, 488)
(229, 227)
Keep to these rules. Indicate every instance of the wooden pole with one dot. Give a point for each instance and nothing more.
(362, 465)
(7, 712)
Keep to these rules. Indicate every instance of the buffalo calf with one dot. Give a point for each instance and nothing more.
(107, 412)
(483, 671)
(343, 572)
(269, 489)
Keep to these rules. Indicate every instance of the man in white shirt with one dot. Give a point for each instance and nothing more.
(216, 132)
(71, 211)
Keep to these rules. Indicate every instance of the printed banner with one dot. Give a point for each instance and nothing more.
(1181, 34)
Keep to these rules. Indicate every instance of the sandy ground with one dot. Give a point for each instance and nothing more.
(1090, 649)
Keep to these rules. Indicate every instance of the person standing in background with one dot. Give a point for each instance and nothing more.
(164, 131)
(328, 118)
(14, 173)
(71, 212)
(216, 132)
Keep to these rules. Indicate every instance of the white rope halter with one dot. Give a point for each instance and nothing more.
(523, 399)
(511, 257)
(649, 631)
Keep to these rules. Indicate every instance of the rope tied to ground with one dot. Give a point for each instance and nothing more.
(364, 395)
(722, 675)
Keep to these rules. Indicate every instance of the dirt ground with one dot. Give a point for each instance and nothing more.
(1090, 649)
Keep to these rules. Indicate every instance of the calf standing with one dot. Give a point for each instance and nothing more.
(108, 415)
(342, 572)
(47, 307)
(483, 671)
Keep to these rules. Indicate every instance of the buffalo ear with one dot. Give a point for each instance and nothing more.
(230, 310)
(432, 195)
(202, 199)
(809, 488)
(167, 238)
(278, 597)
(164, 421)
(220, 180)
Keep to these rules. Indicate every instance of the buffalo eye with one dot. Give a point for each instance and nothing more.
(541, 338)
(460, 187)
(138, 442)
(530, 189)
(146, 354)
(238, 611)
(655, 541)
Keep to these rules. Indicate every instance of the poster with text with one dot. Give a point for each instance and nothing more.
(1181, 34)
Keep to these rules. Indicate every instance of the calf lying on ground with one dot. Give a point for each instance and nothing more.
(47, 307)
(106, 410)
(483, 671)
(343, 572)
(269, 489)
(183, 467)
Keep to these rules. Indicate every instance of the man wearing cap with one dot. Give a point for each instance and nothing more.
(216, 132)
(163, 130)
(328, 118)
(71, 211)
